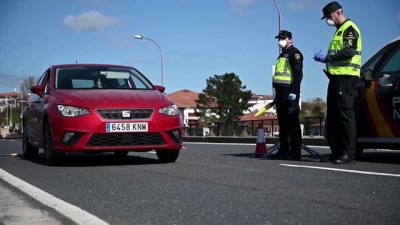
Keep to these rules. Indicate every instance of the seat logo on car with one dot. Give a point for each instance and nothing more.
(126, 114)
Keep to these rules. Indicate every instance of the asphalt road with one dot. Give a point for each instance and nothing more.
(209, 184)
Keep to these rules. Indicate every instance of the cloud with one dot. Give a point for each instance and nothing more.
(91, 20)
(239, 5)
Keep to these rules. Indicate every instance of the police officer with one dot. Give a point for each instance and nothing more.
(343, 64)
(286, 82)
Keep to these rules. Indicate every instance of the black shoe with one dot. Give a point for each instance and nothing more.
(344, 159)
(294, 155)
(278, 155)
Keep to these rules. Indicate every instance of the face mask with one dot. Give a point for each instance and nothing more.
(282, 43)
(330, 22)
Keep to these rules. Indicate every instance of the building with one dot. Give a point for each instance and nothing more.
(8, 103)
(186, 102)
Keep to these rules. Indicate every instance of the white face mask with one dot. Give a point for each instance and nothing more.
(330, 22)
(282, 43)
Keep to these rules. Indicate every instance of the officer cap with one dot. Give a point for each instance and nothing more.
(284, 34)
(330, 8)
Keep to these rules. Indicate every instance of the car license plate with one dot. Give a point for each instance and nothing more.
(126, 127)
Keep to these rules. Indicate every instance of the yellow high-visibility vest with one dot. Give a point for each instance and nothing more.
(351, 66)
(283, 71)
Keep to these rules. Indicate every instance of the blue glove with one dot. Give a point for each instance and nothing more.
(319, 57)
(292, 97)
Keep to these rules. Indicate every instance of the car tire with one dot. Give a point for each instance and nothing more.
(167, 156)
(51, 158)
(28, 151)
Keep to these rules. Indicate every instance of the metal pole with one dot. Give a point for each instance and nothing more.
(7, 124)
(279, 49)
(20, 123)
(11, 122)
(279, 21)
(159, 48)
(162, 67)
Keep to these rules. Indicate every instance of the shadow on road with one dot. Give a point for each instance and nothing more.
(381, 157)
(370, 157)
(304, 157)
(96, 159)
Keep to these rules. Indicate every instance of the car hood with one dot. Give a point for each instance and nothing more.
(113, 98)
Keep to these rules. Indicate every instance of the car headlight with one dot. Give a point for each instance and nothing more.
(171, 110)
(70, 111)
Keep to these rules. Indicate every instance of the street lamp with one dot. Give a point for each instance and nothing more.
(21, 101)
(279, 49)
(141, 37)
(279, 21)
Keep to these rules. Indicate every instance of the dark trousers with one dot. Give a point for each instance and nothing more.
(340, 118)
(288, 119)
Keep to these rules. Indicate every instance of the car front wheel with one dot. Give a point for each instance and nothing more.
(167, 156)
(28, 150)
(51, 158)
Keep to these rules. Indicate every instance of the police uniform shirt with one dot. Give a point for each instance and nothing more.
(350, 39)
(296, 63)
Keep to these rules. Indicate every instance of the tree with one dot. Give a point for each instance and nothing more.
(315, 108)
(224, 96)
(27, 84)
(319, 107)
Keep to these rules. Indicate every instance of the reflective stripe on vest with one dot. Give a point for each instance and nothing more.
(283, 71)
(351, 66)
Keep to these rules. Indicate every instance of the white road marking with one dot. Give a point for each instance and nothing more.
(342, 170)
(74, 213)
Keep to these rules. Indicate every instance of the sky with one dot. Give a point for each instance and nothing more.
(198, 38)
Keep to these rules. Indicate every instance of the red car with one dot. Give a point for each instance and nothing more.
(99, 108)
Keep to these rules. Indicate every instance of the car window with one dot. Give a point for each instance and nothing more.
(391, 66)
(42, 78)
(47, 84)
(371, 64)
(100, 78)
(375, 63)
(139, 82)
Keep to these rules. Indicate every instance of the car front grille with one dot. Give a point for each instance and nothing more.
(117, 114)
(135, 139)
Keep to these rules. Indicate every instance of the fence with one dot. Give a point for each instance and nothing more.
(312, 126)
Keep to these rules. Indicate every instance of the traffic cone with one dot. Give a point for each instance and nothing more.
(261, 147)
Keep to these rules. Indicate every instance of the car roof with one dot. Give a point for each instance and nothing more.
(88, 65)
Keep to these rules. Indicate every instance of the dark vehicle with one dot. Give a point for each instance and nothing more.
(99, 108)
(378, 101)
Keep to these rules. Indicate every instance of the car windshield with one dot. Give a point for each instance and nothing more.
(100, 78)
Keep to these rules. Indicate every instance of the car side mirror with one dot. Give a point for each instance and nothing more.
(160, 88)
(39, 90)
